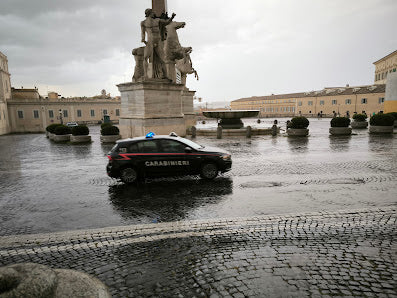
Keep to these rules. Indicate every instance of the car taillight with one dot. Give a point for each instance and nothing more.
(110, 157)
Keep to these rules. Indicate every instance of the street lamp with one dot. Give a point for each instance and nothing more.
(60, 115)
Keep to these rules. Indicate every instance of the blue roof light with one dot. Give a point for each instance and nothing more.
(150, 135)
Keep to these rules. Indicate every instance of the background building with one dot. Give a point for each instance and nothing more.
(327, 102)
(5, 94)
(30, 112)
(385, 66)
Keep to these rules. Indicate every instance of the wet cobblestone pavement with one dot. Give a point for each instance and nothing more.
(346, 253)
(296, 217)
(48, 187)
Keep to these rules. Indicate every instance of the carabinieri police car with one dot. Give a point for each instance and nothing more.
(159, 156)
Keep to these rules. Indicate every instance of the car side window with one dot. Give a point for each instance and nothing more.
(147, 147)
(133, 148)
(171, 146)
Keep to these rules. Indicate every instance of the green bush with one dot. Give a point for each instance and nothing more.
(110, 130)
(80, 130)
(394, 114)
(62, 130)
(340, 122)
(106, 124)
(299, 122)
(360, 117)
(51, 128)
(381, 120)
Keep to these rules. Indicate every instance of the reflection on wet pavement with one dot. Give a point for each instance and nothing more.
(54, 187)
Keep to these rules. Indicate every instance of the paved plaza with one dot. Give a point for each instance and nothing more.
(293, 218)
(346, 253)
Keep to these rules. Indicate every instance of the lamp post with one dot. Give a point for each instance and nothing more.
(60, 115)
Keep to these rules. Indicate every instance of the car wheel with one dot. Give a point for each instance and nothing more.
(129, 175)
(209, 171)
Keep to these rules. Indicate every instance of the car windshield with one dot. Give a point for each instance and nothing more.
(192, 144)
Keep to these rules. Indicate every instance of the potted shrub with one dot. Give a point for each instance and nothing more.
(298, 127)
(340, 126)
(50, 130)
(80, 134)
(359, 121)
(381, 123)
(394, 114)
(62, 133)
(109, 133)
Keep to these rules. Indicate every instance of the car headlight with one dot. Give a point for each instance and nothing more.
(226, 157)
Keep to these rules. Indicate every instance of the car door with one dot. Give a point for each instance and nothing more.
(149, 157)
(174, 157)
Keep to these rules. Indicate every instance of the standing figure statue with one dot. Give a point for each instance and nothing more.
(154, 27)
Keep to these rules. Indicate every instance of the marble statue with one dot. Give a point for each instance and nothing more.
(138, 54)
(185, 65)
(153, 28)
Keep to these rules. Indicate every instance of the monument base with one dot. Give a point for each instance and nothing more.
(153, 105)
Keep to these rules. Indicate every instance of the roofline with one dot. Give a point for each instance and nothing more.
(384, 58)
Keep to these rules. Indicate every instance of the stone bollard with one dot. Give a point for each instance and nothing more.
(248, 132)
(219, 132)
(274, 130)
(35, 280)
(194, 131)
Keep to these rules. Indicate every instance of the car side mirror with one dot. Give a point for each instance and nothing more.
(188, 150)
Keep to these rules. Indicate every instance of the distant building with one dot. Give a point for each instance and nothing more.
(384, 66)
(327, 102)
(5, 94)
(30, 112)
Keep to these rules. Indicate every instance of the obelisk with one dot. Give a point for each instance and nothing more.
(159, 7)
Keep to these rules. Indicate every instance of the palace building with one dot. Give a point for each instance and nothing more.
(329, 101)
(25, 110)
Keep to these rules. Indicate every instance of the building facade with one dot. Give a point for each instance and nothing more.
(5, 94)
(327, 102)
(30, 112)
(384, 66)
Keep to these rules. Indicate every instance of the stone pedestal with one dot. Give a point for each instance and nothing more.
(151, 105)
(187, 108)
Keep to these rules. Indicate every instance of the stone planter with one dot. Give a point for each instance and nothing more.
(61, 138)
(395, 123)
(380, 129)
(359, 124)
(80, 139)
(51, 136)
(110, 139)
(297, 132)
(340, 131)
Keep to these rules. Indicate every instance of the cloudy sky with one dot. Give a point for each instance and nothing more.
(240, 48)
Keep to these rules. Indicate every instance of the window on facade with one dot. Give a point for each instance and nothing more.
(321, 102)
(299, 103)
(65, 113)
(348, 101)
(78, 113)
(310, 103)
(105, 112)
(117, 112)
(364, 100)
(35, 114)
(20, 114)
(381, 100)
(334, 101)
(51, 113)
(92, 113)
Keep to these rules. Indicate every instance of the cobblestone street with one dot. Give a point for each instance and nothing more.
(346, 253)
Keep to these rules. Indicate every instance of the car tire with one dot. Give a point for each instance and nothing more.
(209, 171)
(129, 175)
